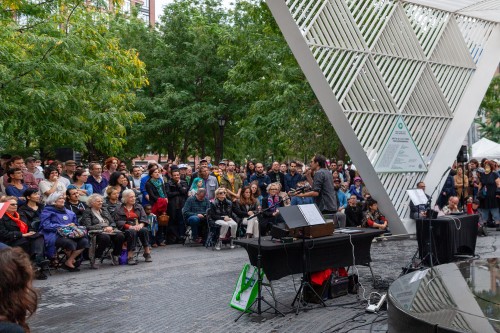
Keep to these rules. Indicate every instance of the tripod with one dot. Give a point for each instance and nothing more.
(260, 298)
(304, 282)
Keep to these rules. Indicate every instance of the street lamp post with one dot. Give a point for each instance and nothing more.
(222, 122)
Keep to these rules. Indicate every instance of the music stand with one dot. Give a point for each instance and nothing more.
(294, 218)
(260, 298)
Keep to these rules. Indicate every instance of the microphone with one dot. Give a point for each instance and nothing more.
(300, 189)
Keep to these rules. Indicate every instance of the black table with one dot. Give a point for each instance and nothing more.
(451, 235)
(280, 260)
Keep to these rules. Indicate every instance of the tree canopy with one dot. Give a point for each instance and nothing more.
(491, 105)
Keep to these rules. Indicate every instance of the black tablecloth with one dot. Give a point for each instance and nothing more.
(280, 260)
(451, 235)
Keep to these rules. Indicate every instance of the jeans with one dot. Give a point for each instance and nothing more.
(494, 212)
(194, 222)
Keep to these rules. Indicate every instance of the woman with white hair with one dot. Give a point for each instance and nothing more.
(132, 220)
(98, 219)
(53, 217)
(221, 213)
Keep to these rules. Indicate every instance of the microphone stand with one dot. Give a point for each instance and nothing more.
(260, 297)
(429, 220)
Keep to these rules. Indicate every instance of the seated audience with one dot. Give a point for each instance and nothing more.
(18, 298)
(195, 212)
(111, 200)
(51, 183)
(373, 217)
(254, 187)
(452, 206)
(54, 216)
(31, 211)
(74, 204)
(221, 213)
(132, 220)
(80, 178)
(95, 218)
(419, 211)
(358, 189)
(15, 232)
(16, 185)
(270, 207)
(354, 212)
(247, 206)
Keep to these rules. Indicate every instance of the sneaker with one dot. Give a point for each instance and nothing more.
(132, 261)
(231, 245)
(115, 260)
(147, 257)
(218, 245)
(154, 245)
(163, 244)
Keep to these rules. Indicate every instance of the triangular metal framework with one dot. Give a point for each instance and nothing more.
(372, 62)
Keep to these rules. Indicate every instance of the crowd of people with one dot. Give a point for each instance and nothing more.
(58, 208)
(55, 209)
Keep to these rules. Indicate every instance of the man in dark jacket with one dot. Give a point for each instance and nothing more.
(177, 192)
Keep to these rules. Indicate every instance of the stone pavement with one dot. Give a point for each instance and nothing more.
(188, 289)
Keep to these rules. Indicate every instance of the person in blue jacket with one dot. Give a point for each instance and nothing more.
(54, 216)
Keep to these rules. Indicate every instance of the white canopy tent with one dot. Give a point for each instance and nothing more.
(485, 148)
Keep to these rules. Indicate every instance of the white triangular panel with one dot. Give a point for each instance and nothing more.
(451, 49)
(304, 12)
(427, 132)
(371, 17)
(427, 98)
(398, 38)
(339, 67)
(428, 24)
(333, 27)
(453, 81)
(400, 75)
(475, 33)
(369, 92)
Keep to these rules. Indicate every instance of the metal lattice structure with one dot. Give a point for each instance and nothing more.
(374, 62)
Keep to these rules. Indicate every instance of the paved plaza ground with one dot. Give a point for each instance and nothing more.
(188, 289)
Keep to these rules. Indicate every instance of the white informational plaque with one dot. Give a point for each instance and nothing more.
(417, 196)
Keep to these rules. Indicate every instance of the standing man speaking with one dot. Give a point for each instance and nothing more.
(322, 186)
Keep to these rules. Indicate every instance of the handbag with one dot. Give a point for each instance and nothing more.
(163, 219)
(72, 231)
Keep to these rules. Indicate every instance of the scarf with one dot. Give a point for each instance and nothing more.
(158, 184)
(272, 201)
(23, 227)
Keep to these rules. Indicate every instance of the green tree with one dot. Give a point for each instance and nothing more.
(64, 79)
(491, 107)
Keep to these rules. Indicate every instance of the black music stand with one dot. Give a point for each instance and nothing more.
(294, 218)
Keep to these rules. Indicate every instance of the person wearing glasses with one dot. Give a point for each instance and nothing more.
(419, 211)
(221, 213)
(15, 232)
(270, 207)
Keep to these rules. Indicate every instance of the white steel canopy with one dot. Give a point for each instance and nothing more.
(488, 10)
(400, 81)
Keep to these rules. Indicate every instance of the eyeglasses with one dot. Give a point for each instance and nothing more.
(222, 192)
(13, 204)
(275, 189)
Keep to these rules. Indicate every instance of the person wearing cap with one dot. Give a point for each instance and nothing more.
(358, 189)
(69, 170)
(202, 163)
(183, 172)
(33, 169)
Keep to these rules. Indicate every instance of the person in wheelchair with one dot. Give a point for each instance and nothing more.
(221, 213)
(246, 207)
(95, 218)
(132, 220)
(15, 232)
(54, 216)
